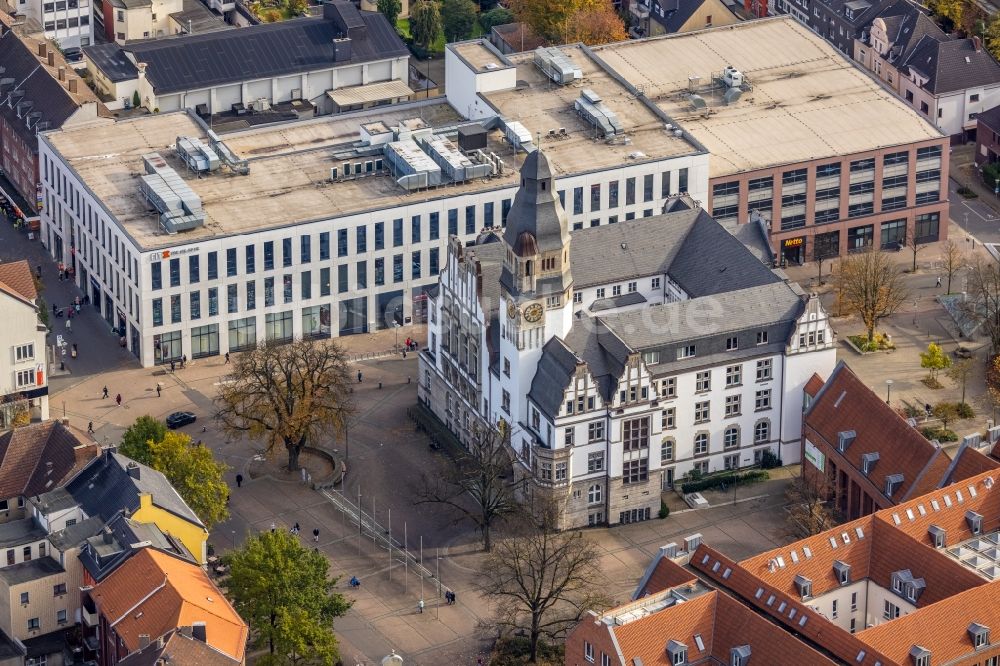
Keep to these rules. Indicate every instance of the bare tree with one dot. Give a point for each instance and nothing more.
(914, 246)
(825, 247)
(952, 259)
(959, 373)
(478, 486)
(872, 286)
(543, 582)
(286, 395)
(809, 510)
(984, 302)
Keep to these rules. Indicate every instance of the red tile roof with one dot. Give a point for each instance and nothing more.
(665, 575)
(647, 638)
(40, 457)
(845, 404)
(152, 593)
(16, 279)
(814, 384)
(970, 462)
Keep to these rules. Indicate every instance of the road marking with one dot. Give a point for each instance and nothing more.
(974, 212)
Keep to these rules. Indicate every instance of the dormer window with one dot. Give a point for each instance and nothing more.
(677, 652)
(921, 656)
(739, 656)
(844, 439)
(937, 535)
(804, 586)
(975, 521)
(980, 635)
(843, 571)
(892, 484)
(915, 589)
(868, 461)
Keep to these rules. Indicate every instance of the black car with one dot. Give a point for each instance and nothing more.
(178, 419)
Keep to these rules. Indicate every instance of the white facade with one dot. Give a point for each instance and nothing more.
(23, 371)
(69, 23)
(356, 287)
(606, 452)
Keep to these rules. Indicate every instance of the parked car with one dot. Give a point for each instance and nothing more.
(178, 419)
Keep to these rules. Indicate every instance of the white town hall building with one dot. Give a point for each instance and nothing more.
(621, 357)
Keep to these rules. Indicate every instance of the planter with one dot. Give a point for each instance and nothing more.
(852, 341)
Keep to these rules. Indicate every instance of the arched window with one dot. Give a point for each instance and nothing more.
(667, 450)
(731, 438)
(762, 431)
(594, 494)
(528, 268)
(701, 444)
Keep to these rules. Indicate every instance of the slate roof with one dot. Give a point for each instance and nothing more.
(104, 488)
(40, 457)
(634, 298)
(677, 16)
(153, 593)
(846, 403)
(50, 97)
(952, 65)
(189, 62)
(111, 544)
(906, 24)
(74, 535)
(19, 532)
(990, 118)
(555, 368)
(178, 650)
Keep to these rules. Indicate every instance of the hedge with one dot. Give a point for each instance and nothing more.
(752, 476)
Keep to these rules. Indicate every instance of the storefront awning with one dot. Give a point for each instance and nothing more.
(373, 92)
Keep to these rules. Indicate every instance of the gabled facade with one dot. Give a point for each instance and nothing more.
(618, 361)
(24, 390)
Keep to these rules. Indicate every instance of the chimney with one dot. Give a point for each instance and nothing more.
(62, 73)
(977, 43)
(42, 50)
(159, 643)
(141, 67)
(200, 632)
(107, 535)
(52, 58)
(143, 641)
(72, 85)
(65, 422)
(342, 49)
(133, 470)
(187, 630)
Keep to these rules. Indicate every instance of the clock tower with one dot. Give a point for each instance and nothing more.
(536, 282)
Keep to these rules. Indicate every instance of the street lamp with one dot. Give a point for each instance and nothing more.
(395, 326)
(888, 390)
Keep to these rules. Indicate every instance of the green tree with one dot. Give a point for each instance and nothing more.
(946, 412)
(137, 439)
(457, 19)
(992, 36)
(135, 100)
(390, 9)
(425, 22)
(935, 360)
(494, 17)
(285, 593)
(194, 473)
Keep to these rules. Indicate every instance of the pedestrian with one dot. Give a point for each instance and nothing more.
(316, 534)
(158, 390)
(184, 359)
(69, 325)
(239, 480)
(295, 528)
(939, 282)
(105, 394)
(452, 598)
(227, 359)
(359, 376)
(172, 366)
(420, 606)
(53, 308)
(272, 528)
(90, 427)
(118, 399)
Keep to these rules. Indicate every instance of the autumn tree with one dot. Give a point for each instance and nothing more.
(457, 19)
(287, 395)
(950, 10)
(872, 287)
(952, 260)
(14, 411)
(478, 487)
(425, 22)
(991, 36)
(189, 467)
(946, 412)
(983, 304)
(542, 583)
(598, 24)
(809, 509)
(934, 360)
(390, 9)
(285, 593)
(959, 373)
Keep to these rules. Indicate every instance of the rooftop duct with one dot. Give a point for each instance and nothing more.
(196, 155)
(178, 205)
(556, 65)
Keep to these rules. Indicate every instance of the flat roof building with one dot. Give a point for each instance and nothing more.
(307, 229)
(830, 160)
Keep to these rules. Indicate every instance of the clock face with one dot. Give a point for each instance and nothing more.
(511, 309)
(533, 312)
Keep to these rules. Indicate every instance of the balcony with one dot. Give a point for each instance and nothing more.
(222, 5)
(89, 617)
(639, 10)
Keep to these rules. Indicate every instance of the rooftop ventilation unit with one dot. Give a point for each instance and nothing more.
(196, 155)
(732, 77)
(178, 205)
(518, 135)
(453, 163)
(228, 157)
(590, 107)
(697, 101)
(556, 65)
(732, 95)
(416, 170)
